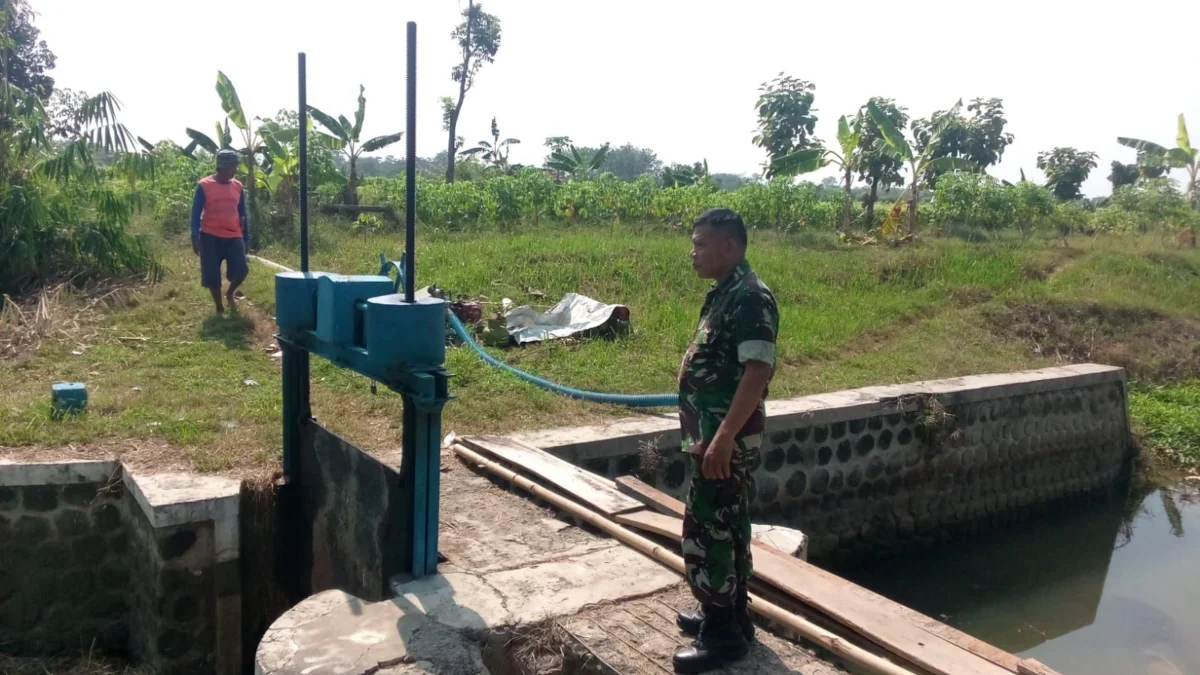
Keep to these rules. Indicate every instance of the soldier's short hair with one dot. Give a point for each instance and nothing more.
(725, 221)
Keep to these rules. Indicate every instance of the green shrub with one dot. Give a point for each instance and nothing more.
(1152, 204)
(971, 202)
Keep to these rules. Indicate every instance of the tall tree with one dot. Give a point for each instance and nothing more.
(346, 138)
(919, 163)
(64, 113)
(478, 37)
(1183, 156)
(1123, 174)
(26, 58)
(785, 119)
(628, 162)
(1066, 169)
(979, 139)
(877, 168)
(496, 151)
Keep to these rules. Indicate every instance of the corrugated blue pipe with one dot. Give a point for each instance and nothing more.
(631, 400)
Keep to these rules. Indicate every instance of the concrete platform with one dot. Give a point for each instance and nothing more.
(510, 564)
(638, 637)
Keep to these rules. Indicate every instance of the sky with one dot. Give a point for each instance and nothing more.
(678, 77)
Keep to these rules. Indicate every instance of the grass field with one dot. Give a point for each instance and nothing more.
(175, 385)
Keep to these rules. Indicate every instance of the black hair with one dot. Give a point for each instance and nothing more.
(725, 221)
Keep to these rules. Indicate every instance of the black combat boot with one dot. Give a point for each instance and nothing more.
(720, 641)
(689, 620)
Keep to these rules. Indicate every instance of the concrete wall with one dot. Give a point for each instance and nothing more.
(869, 471)
(145, 566)
(351, 501)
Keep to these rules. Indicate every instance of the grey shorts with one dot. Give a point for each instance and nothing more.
(214, 251)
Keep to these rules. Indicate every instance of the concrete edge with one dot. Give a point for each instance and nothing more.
(178, 499)
(66, 472)
(583, 443)
(174, 499)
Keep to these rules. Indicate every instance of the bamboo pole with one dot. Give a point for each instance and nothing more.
(273, 265)
(838, 645)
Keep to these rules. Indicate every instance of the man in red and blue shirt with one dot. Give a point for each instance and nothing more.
(219, 229)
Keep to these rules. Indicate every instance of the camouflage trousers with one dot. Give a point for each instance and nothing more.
(716, 528)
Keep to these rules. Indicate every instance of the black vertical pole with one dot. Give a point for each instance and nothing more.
(410, 178)
(303, 116)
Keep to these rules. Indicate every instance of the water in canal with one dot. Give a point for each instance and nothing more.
(1103, 589)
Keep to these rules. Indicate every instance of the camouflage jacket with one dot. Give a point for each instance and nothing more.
(738, 323)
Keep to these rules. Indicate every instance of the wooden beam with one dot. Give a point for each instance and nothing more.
(891, 626)
(355, 210)
(652, 497)
(824, 589)
(837, 644)
(583, 485)
(653, 522)
(1034, 667)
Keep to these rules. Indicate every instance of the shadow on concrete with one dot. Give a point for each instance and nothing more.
(435, 626)
(232, 329)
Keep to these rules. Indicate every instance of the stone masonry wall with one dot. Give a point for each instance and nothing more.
(146, 568)
(64, 584)
(870, 471)
(172, 600)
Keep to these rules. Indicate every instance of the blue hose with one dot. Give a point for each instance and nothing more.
(631, 400)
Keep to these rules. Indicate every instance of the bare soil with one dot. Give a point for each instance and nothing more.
(1147, 343)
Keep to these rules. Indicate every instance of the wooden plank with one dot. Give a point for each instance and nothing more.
(652, 497)
(1034, 667)
(1005, 660)
(870, 615)
(897, 629)
(653, 522)
(583, 485)
(885, 623)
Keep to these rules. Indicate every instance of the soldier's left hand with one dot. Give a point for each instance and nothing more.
(716, 458)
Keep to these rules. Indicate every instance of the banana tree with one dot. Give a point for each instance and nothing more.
(221, 140)
(347, 136)
(1182, 157)
(496, 152)
(894, 143)
(284, 165)
(577, 164)
(682, 175)
(805, 161)
(251, 139)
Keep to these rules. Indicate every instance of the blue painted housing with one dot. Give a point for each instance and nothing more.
(296, 300)
(68, 397)
(340, 319)
(399, 333)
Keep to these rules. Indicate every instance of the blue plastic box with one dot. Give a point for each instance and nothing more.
(68, 397)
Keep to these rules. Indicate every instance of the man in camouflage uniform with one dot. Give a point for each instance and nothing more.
(722, 386)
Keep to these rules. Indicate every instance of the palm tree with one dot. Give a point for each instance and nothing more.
(577, 164)
(896, 145)
(495, 152)
(804, 161)
(347, 140)
(58, 215)
(1182, 157)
